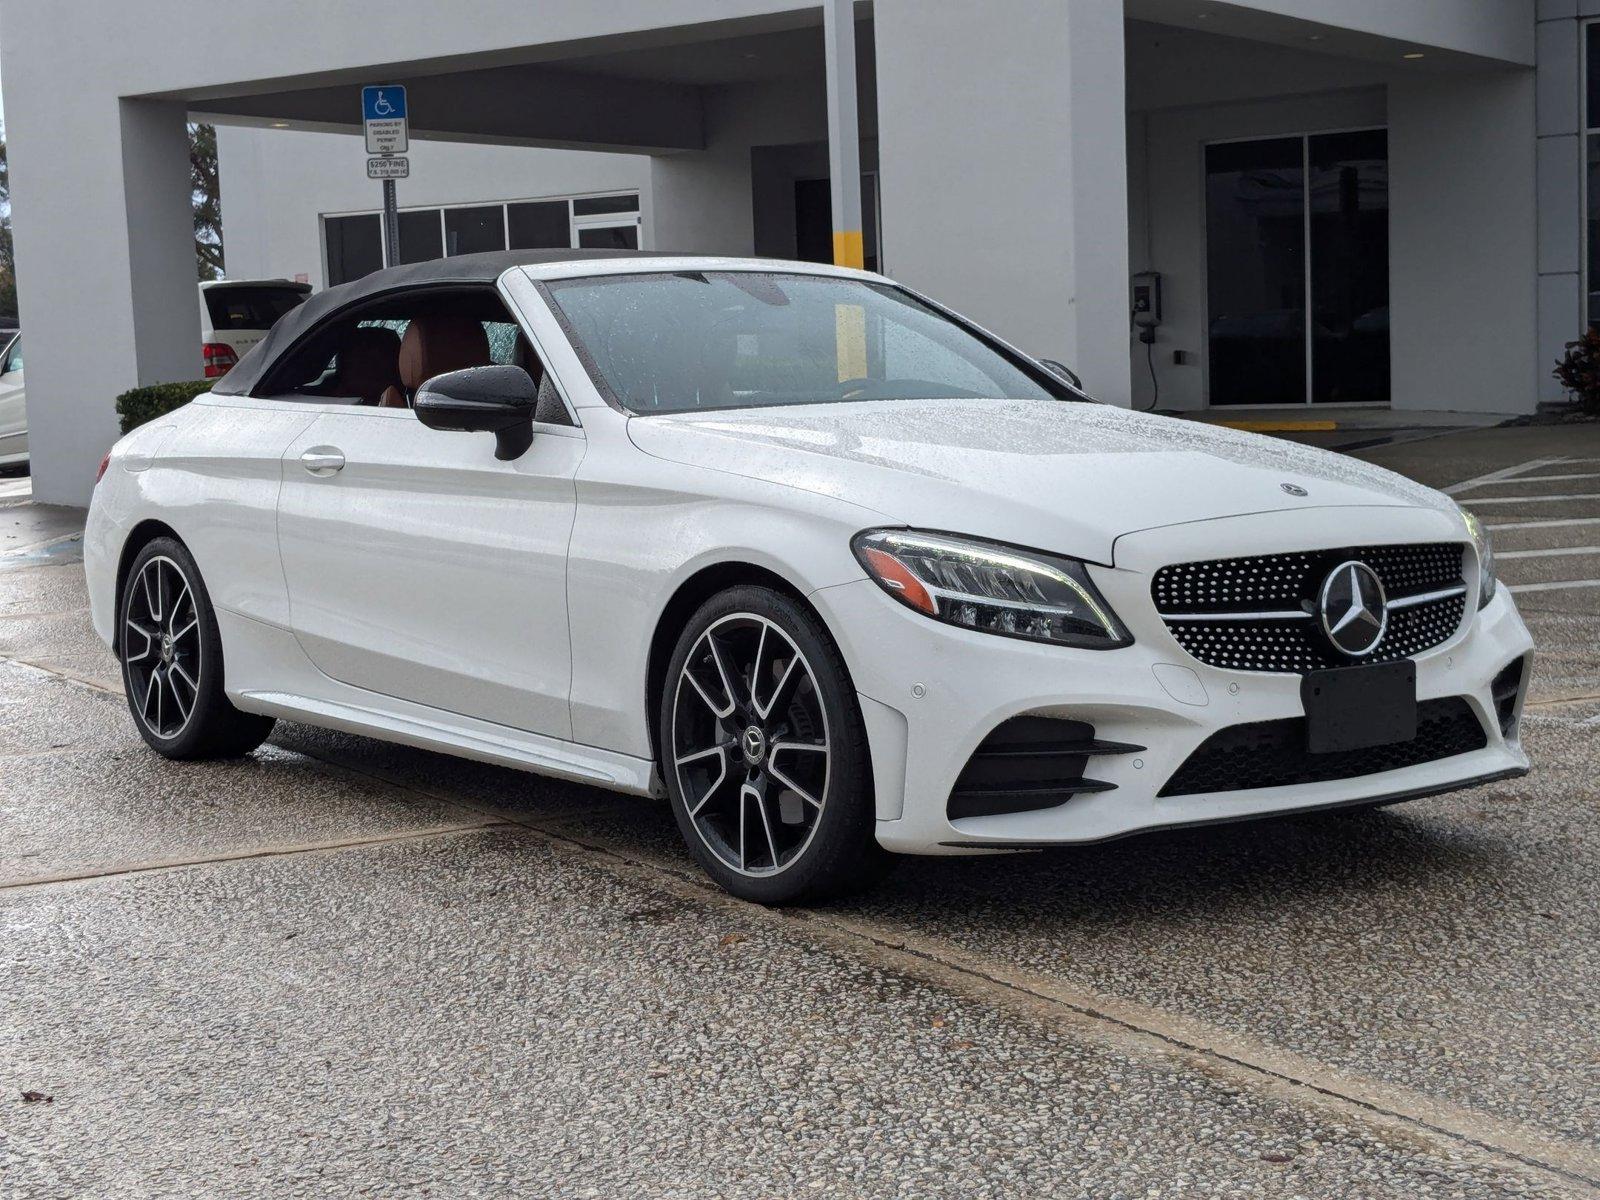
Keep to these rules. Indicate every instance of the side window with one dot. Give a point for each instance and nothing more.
(14, 357)
(378, 353)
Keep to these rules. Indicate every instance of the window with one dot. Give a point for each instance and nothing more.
(251, 306)
(609, 237)
(421, 235)
(741, 339)
(14, 356)
(593, 206)
(471, 230)
(354, 246)
(354, 243)
(539, 225)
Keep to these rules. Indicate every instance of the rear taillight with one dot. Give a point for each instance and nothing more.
(104, 463)
(219, 358)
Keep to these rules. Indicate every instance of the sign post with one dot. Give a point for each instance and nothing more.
(383, 114)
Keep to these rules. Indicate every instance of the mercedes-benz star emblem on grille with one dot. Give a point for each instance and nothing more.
(1294, 489)
(1353, 609)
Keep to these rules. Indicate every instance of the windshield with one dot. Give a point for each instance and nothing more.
(251, 307)
(741, 339)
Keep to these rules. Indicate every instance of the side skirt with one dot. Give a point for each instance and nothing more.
(478, 740)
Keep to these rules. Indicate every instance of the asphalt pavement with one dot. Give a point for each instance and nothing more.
(343, 967)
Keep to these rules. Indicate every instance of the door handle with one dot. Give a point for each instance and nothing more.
(322, 460)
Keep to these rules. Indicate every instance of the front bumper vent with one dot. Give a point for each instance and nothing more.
(1267, 754)
(1030, 763)
(1505, 689)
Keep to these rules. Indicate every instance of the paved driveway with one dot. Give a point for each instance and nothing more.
(343, 967)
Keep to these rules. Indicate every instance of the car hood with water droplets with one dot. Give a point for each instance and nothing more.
(1065, 477)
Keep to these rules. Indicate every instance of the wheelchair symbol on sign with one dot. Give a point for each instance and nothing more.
(381, 106)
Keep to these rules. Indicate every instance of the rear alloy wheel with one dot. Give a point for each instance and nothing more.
(172, 661)
(764, 752)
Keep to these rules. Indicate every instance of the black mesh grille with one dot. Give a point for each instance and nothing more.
(1289, 583)
(1273, 753)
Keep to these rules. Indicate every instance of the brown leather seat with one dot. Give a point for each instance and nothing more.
(432, 346)
(369, 363)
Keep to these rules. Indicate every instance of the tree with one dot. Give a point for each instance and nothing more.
(8, 270)
(207, 198)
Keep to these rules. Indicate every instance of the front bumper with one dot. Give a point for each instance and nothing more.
(930, 693)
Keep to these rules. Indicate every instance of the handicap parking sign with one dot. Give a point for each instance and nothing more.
(383, 113)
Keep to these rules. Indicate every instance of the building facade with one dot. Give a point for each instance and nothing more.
(1322, 202)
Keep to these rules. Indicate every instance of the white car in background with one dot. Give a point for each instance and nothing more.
(235, 314)
(831, 568)
(13, 405)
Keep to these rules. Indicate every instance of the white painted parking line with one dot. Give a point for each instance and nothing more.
(1555, 587)
(1559, 521)
(1503, 555)
(1504, 474)
(1474, 500)
(1533, 479)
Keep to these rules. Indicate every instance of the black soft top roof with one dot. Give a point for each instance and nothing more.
(463, 270)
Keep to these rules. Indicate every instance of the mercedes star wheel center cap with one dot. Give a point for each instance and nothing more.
(1353, 609)
(754, 744)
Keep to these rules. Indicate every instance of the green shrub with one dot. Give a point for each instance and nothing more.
(1579, 371)
(143, 404)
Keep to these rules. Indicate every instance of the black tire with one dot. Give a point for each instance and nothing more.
(174, 683)
(821, 850)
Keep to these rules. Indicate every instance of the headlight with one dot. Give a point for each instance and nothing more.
(1485, 552)
(989, 587)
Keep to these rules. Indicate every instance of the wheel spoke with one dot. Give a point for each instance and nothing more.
(722, 775)
(177, 606)
(717, 711)
(177, 700)
(149, 641)
(744, 794)
(778, 692)
(194, 688)
(766, 825)
(722, 673)
(794, 787)
(192, 623)
(686, 759)
(755, 670)
(152, 603)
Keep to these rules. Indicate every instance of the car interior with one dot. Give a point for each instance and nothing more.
(378, 354)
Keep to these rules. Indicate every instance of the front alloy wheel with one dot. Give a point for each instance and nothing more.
(750, 744)
(764, 753)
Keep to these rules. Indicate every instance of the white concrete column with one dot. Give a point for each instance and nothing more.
(1003, 170)
(106, 274)
(844, 131)
(699, 202)
(1463, 242)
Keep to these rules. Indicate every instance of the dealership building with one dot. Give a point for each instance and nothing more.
(1321, 202)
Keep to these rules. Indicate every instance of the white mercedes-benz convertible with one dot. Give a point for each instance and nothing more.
(835, 570)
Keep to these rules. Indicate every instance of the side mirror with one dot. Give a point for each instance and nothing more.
(497, 400)
(1062, 371)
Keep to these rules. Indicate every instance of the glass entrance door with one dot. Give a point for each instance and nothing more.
(1297, 255)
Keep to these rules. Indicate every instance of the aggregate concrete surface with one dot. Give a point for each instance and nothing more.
(344, 967)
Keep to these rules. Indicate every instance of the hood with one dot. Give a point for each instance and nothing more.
(1066, 477)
